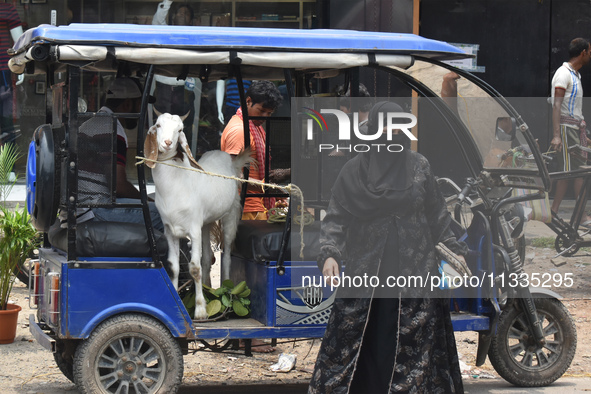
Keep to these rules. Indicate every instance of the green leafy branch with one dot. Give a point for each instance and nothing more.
(17, 235)
(221, 302)
(8, 157)
(17, 240)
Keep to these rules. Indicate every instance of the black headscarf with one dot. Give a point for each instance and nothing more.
(373, 183)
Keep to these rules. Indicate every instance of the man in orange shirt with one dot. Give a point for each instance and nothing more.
(262, 98)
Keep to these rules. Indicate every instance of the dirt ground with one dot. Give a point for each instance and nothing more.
(25, 367)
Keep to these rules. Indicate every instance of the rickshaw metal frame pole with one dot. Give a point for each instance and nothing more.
(288, 73)
(141, 173)
(235, 62)
(72, 159)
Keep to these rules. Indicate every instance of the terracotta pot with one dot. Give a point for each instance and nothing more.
(8, 321)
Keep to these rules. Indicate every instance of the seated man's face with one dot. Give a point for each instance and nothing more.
(258, 110)
(182, 17)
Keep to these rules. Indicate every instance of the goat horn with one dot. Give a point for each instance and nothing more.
(158, 113)
(185, 116)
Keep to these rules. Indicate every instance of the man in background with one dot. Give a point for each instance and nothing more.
(568, 123)
(123, 96)
(183, 16)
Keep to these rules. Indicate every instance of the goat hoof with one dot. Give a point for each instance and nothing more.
(200, 314)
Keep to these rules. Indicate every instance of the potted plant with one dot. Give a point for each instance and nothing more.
(17, 240)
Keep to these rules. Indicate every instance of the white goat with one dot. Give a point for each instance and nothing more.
(190, 202)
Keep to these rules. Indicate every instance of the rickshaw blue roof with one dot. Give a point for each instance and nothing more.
(204, 37)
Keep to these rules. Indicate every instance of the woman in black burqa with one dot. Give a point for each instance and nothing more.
(384, 218)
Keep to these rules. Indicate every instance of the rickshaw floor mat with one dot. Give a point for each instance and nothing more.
(108, 239)
(261, 241)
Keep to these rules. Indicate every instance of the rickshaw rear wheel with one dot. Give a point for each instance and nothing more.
(130, 353)
(514, 354)
(563, 243)
(64, 357)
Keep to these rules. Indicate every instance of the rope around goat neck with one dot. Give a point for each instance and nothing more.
(290, 189)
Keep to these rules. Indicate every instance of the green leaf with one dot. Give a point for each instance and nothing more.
(220, 291)
(239, 309)
(228, 284)
(189, 300)
(226, 300)
(213, 308)
(209, 290)
(9, 154)
(240, 287)
(244, 294)
(245, 301)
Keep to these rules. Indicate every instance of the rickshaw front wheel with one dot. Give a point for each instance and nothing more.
(129, 353)
(515, 355)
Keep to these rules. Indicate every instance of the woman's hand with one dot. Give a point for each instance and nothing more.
(331, 270)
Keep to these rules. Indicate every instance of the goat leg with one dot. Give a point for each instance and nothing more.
(206, 254)
(229, 224)
(195, 270)
(173, 257)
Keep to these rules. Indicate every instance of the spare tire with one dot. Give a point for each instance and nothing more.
(42, 179)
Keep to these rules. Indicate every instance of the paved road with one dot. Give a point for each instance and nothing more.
(482, 386)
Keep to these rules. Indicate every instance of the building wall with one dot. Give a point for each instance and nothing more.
(372, 15)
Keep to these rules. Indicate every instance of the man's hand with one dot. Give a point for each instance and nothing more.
(556, 144)
(279, 175)
(331, 270)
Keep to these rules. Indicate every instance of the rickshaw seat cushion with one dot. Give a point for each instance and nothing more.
(261, 241)
(108, 239)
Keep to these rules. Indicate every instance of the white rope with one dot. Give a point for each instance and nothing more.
(290, 189)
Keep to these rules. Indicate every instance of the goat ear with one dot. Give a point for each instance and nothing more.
(185, 145)
(151, 147)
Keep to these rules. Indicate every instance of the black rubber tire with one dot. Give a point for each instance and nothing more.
(23, 271)
(47, 181)
(518, 361)
(64, 358)
(129, 350)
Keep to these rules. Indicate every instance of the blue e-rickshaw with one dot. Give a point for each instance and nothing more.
(106, 306)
